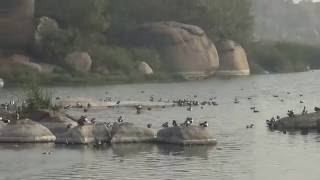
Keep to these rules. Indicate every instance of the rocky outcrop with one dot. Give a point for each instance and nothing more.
(79, 61)
(25, 131)
(57, 122)
(21, 60)
(233, 59)
(128, 133)
(185, 135)
(145, 69)
(185, 48)
(299, 122)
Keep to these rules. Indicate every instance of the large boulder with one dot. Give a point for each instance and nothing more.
(102, 133)
(233, 60)
(79, 61)
(25, 131)
(185, 135)
(185, 48)
(145, 69)
(129, 133)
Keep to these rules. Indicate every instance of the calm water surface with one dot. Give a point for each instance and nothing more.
(241, 153)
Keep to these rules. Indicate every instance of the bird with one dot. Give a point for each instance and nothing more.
(256, 111)
(174, 123)
(149, 126)
(204, 124)
(165, 125)
(316, 109)
(189, 108)
(67, 107)
(120, 119)
(93, 120)
(69, 126)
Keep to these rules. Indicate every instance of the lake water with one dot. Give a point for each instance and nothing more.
(241, 154)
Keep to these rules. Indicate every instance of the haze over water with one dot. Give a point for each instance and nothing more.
(241, 153)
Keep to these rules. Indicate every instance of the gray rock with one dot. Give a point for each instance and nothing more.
(25, 131)
(129, 133)
(79, 61)
(78, 135)
(306, 121)
(102, 133)
(185, 136)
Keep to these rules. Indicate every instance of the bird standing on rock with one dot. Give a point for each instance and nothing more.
(120, 119)
(174, 123)
(204, 124)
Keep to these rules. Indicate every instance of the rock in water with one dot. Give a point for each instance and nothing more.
(25, 131)
(145, 69)
(79, 61)
(78, 135)
(186, 48)
(102, 133)
(299, 122)
(185, 136)
(233, 60)
(128, 133)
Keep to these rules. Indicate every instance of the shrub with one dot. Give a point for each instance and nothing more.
(36, 98)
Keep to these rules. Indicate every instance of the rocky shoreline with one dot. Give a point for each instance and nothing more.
(47, 126)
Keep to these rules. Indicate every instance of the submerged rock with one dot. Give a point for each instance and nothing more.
(185, 135)
(25, 131)
(129, 133)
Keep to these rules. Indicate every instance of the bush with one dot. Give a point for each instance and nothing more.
(282, 56)
(37, 98)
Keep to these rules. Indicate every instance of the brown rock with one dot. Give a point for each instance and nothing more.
(18, 59)
(233, 60)
(186, 48)
(79, 61)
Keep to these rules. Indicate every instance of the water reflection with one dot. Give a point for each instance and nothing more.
(185, 151)
(127, 150)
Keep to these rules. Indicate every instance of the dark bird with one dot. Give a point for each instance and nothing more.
(275, 96)
(118, 102)
(69, 126)
(189, 108)
(165, 125)
(256, 111)
(93, 120)
(316, 109)
(204, 124)
(67, 107)
(120, 119)
(149, 126)
(174, 123)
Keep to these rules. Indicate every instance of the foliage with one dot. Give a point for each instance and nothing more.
(283, 56)
(36, 97)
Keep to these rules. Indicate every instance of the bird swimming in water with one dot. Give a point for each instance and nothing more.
(165, 125)
(250, 126)
(189, 108)
(120, 119)
(149, 126)
(204, 124)
(236, 101)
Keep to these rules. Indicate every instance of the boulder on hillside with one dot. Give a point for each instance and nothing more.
(186, 48)
(79, 61)
(129, 133)
(185, 136)
(233, 60)
(25, 131)
(22, 60)
(145, 69)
